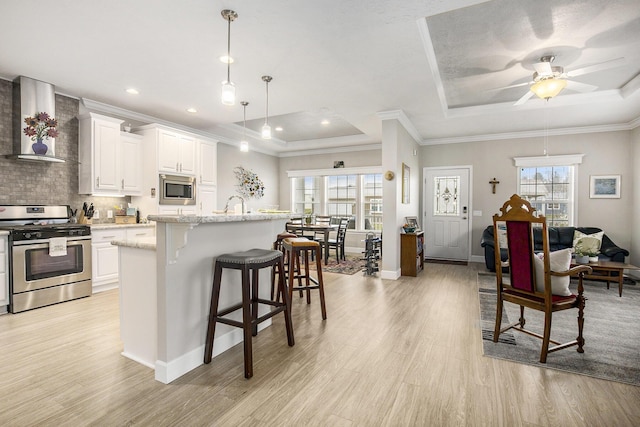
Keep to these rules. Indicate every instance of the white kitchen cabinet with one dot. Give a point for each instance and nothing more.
(109, 163)
(131, 176)
(207, 199)
(177, 210)
(176, 153)
(105, 274)
(4, 274)
(104, 258)
(207, 163)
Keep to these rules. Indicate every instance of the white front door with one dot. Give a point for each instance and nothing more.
(446, 213)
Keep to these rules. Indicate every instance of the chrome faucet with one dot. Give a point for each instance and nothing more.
(226, 207)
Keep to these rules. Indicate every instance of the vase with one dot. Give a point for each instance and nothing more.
(582, 259)
(593, 259)
(39, 147)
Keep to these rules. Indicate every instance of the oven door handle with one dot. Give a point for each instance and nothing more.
(70, 240)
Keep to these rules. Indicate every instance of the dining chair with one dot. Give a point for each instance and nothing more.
(338, 242)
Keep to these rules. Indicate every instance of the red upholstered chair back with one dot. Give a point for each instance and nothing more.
(520, 243)
(514, 227)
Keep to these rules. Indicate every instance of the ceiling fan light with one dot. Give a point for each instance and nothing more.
(266, 131)
(228, 93)
(244, 146)
(548, 88)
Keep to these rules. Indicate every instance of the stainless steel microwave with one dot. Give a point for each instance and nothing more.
(177, 190)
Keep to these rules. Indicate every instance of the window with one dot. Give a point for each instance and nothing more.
(357, 196)
(341, 195)
(307, 196)
(372, 200)
(548, 183)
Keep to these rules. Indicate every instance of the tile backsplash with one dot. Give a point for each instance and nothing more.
(46, 183)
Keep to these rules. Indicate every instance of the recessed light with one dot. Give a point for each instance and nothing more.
(191, 110)
(226, 59)
(325, 122)
(278, 128)
(132, 91)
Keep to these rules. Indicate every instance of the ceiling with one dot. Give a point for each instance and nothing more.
(441, 62)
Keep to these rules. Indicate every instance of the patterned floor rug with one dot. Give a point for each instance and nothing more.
(611, 332)
(352, 265)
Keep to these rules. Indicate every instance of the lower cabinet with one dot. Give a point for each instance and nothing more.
(105, 274)
(4, 274)
(177, 210)
(411, 253)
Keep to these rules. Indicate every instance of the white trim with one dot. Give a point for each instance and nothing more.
(400, 116)
(348, 149)
(561, 160)
(390, 274)
(616, 127)
(334, 171)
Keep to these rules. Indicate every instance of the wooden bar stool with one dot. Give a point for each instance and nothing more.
(277, 245)
(294, 248)
(249, 261)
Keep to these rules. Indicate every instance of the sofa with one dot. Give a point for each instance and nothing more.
(559, 238)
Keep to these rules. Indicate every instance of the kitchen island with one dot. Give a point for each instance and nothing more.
(166, 286)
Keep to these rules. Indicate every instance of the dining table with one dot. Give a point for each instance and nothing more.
(316, 228)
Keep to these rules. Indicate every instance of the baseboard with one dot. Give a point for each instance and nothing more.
(390, 274)
(137, 359)
(167, 372)
(106, 287)
(477, 258)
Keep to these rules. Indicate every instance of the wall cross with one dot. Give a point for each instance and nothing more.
(493, 183)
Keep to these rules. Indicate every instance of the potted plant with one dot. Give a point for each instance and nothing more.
(586, 253)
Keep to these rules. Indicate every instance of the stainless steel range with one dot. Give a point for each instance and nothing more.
(49, 258)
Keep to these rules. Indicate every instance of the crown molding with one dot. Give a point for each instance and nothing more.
(348, 149)
(534, 133)
(400, 116)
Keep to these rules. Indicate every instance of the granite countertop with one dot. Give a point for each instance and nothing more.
(194, 219)
(108, 225)
(148, 243)
(4, 232)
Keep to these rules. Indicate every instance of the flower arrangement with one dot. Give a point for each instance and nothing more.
(40, 126)
(249, 185)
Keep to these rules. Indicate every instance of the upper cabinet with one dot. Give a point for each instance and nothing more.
(207, 162)
(108, 163)
(176, 153)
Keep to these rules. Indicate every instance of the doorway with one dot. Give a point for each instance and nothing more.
(446, 214)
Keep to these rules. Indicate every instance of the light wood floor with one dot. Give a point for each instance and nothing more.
(391, 353)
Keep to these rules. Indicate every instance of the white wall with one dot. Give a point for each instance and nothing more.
(607, 153)
(265, 166)
(397, 148)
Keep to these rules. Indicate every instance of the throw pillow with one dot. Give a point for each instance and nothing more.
(587, 242)
(558, 261)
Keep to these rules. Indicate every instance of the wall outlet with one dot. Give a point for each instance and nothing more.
(96, 214)
(109, 213)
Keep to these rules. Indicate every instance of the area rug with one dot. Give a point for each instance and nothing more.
(352, 265)
(611, 332)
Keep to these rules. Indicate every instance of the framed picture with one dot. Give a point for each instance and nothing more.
(406, 179)
(412, 221)
(605, 187)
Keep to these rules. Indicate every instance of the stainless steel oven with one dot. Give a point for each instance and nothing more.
(177, 190)
(49, 259)
(40, 279)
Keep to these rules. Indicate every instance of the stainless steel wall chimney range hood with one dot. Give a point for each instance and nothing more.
(31, 97)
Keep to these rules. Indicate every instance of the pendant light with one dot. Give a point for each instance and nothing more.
(228, 88)
(244, 145)
(266, 129)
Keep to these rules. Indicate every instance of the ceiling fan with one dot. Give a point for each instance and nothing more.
(549, 80)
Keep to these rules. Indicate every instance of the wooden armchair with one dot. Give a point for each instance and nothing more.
(530, 282)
